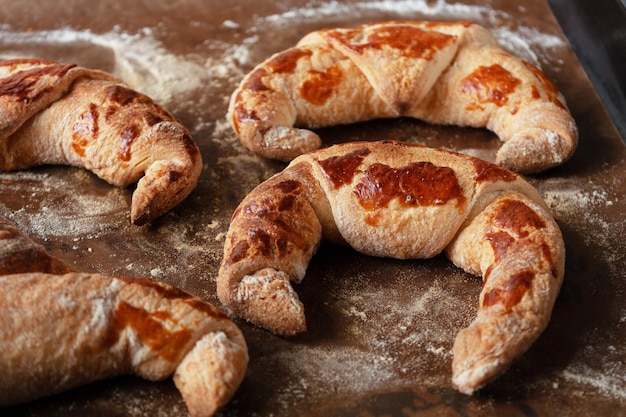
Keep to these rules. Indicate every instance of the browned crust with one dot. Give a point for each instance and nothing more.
(53, 113)
(60, 329)
(444, 73)
(399, 200)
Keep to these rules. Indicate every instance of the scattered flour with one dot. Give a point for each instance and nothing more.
(346, 370)
(525, 42)
(48, 215)
(612, 383)
(584, 209)
(578, 205)
(569, 198)
(139, 59)
(146, 65)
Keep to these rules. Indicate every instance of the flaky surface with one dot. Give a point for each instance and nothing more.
(53, 113)
(443, 73)
(61, 329)
(94, 327)
(404, 201)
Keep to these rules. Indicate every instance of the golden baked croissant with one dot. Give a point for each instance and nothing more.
(403, 201)
(61, 331)
(444, 73)
(53, 113)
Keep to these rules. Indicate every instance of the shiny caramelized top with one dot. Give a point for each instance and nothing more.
(514, 220)
(490, 84)
(22, 84)
(155, 327)
(409, 41)
(418, 183)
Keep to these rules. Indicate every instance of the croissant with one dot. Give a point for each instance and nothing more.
(443, 73)
(394, 199)
(94, 327)
(52, 113)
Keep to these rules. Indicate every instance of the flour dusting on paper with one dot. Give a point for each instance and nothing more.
(139, 60)
(146, 65)
(47, 215)
(143, 62)
(525, 42)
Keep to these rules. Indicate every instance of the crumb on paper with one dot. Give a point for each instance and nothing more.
(157, 273)
(229, 24)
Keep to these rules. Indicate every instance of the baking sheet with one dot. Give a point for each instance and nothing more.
(380, 331)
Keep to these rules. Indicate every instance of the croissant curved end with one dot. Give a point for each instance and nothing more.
(166, 183)
(475, 364)
(465, 382)
(206, 377)
(536, 149)
(282, 142)
(522, 275)
(472, 366)
(267, 299)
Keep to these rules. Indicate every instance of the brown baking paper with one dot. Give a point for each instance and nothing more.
(380, 330)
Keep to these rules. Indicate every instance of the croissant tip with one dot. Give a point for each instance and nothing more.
(139, 216)
(141, 219)
(469, 381)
